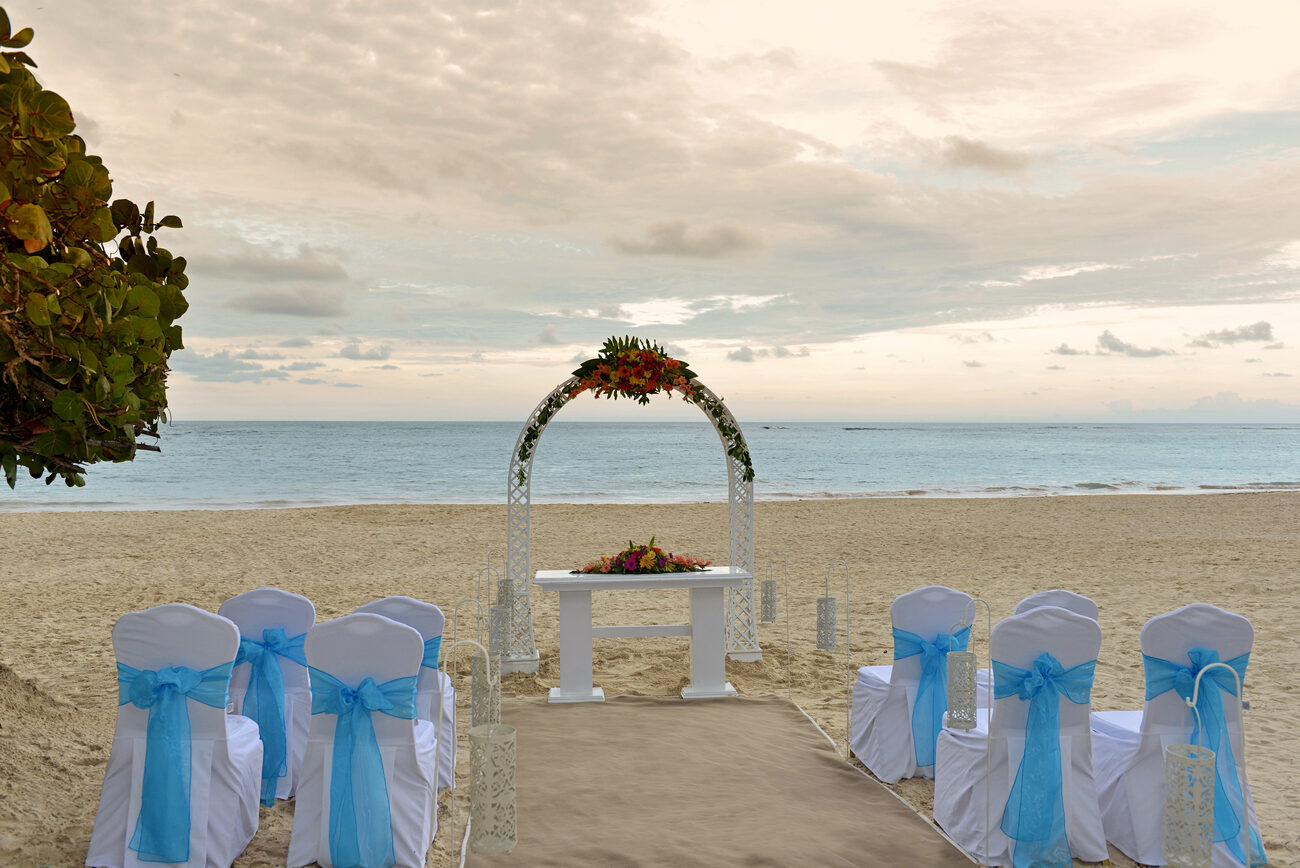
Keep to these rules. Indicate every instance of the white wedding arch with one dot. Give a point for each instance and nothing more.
(518, 650)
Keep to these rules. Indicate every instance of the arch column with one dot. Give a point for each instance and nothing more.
(519, 650)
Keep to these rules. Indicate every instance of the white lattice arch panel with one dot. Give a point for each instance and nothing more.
(519, 653)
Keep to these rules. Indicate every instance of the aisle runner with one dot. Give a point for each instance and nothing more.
(641, 781)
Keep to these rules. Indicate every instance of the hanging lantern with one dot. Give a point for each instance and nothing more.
(485, 692)
(1189, 805)
(768, 601)
(492, 788)
(963, 668)
(826, 623)
(498, 627)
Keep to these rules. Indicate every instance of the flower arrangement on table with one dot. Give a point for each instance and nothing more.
(647, 558)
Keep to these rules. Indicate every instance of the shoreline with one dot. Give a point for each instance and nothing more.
(65, 577)
(918, 495)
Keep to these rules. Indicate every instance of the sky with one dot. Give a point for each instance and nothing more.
(926, 211)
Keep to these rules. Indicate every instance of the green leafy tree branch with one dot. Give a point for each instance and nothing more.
(88, 299)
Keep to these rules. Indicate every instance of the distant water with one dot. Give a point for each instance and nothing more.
(228, 465)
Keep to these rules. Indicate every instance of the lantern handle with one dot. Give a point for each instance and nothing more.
(785, 593)
(478, 618)
(968, 620)
(487, 659)
(848, 652)
(1241, 697)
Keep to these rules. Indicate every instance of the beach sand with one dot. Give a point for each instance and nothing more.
(66, 577)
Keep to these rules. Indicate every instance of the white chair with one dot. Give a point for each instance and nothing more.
(886, 713)
(377, 808)
(1128, 746)
(1039, 768)
(272, 626)
(435, 694)
(173, 665)
(1068, 600)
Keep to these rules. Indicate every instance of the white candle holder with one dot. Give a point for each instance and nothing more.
(492, 788)
(1189, 805)
(963, 667)
(768, 601)
(485, 691)
(826, 623)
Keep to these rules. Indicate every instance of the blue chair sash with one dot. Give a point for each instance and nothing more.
(432, 649)
(361, 830)
(932, 692)
(162, 829)
(1165, 675)
(1034, 816)
(264, 701)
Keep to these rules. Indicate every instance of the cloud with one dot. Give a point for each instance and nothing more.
(547, 336)
(1055, 368)
(744, 354)
(308, 300)
(787, 353)
(962, 153)
(222, 367)
(1067, 350)
(1108, 344)
(347, 385)
(973, 364)
(253, 353)
(374, 354)
(982, 337)
(302, 366)
(295, 342)
(672, 238)
(1260, 331)
(1277, 374)
(1220, 407)
(311, 381)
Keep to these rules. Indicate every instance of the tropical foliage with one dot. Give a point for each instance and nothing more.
(88, 300)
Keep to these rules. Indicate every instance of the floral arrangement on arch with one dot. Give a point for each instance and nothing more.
(636, 368)
(647, 558)
(633, 368)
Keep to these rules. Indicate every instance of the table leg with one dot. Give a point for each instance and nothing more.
(708, 646)
(575, 650)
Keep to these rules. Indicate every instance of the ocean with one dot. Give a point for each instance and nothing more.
(240, 465)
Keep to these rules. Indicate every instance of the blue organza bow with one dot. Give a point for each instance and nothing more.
(932, 692)
(1034, 816)
(361, 830)
(162, 830)
(264, 701)
(1165, 675)
(432, 648)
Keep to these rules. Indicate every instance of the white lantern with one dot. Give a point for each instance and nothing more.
(826, 623)
(1189, 805)
(962, 669)
(492, 788)
(768, 605)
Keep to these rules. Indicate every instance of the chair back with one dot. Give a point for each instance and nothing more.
(1170, 636)
(424, 617)
(927, 612)
(1018, 640)
(175, 634)
(265, 609)
(1060, 598)
(359, 646)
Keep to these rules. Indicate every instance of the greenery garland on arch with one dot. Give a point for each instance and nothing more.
(632, 367)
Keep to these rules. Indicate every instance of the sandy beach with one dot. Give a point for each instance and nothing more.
(66, 577)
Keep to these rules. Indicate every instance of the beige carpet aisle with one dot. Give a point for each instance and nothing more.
(644, 781)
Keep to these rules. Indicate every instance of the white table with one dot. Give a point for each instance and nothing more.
(706, 630)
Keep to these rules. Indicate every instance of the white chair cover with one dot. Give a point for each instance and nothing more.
(1061, 598)
(255, 612)
(225, 756)
(1128, 746)
(880, 727)
(1068, 600)
(959, 790)
(352, 649)
(435, 694)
